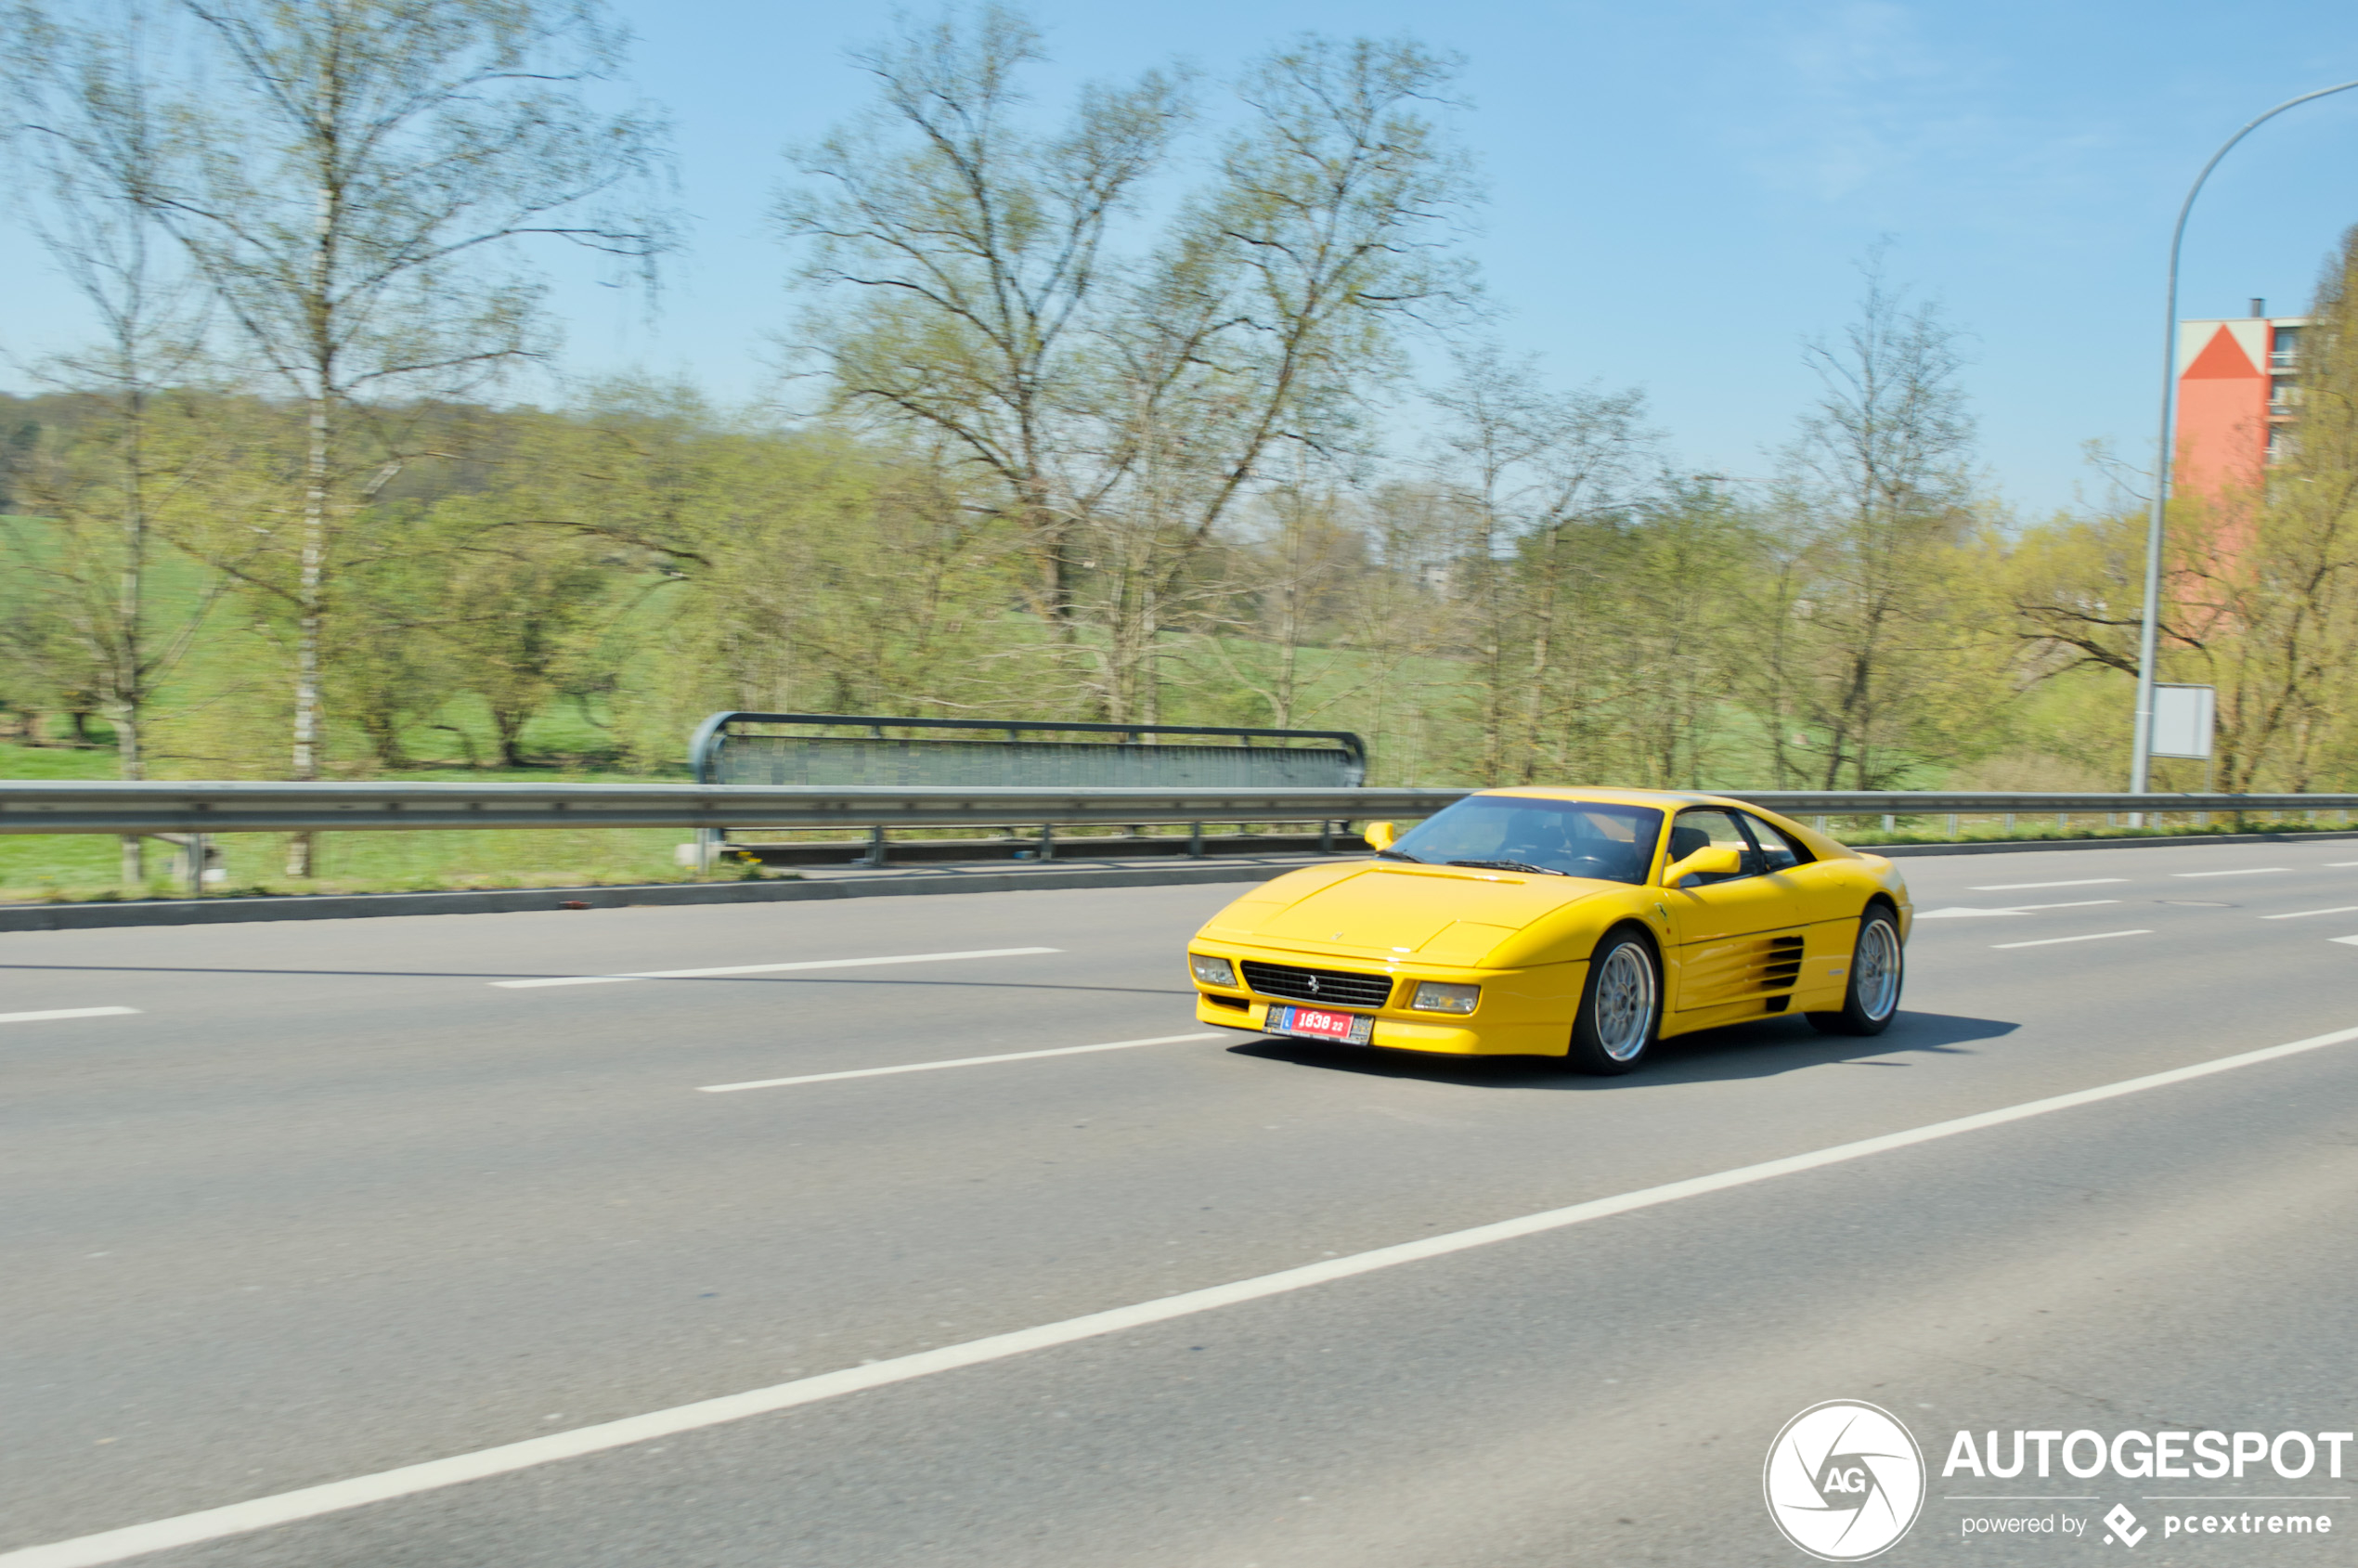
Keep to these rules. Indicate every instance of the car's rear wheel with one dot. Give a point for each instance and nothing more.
(1878, 965)
(1620, 1007)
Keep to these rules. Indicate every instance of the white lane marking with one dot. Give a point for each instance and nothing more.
(65, 1013)
(1960, 912)
(2305, 914)
(310, 1502)
(2025, 886)
(2246, 870)
(2091, 936)
(954, 1061)
(2346, 941)
(771, 968)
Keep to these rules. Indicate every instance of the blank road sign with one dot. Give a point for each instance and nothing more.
(2183, 718)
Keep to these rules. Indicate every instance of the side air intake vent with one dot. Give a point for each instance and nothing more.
(1784, 966)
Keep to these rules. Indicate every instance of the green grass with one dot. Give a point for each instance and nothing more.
(85, 865)
(1931, 830)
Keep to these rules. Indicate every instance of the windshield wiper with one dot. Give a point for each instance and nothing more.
(1510, 865)
(1397, 855)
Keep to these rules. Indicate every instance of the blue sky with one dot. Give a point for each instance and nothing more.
(1678, 189)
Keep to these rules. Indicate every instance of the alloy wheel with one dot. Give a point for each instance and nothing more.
(1625, 1005)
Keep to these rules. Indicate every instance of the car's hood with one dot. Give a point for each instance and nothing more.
(1439, 914)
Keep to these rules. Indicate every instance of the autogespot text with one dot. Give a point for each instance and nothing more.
(2160, 1456)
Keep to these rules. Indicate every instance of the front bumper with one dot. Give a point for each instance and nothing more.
(1523, 1012)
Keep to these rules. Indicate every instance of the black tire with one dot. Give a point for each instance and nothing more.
(1878, 960)
(1620, 1007)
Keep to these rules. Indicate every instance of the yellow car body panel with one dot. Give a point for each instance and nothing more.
(1777, 942)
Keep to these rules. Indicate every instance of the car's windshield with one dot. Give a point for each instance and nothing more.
(1518, 832)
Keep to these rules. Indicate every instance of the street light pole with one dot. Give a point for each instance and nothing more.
(2141, 769)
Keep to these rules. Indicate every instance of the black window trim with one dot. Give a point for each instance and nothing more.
(1802, 853)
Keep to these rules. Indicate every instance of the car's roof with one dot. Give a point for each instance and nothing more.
(1655, 797)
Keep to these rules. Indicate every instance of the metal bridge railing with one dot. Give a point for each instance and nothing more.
(861, 750)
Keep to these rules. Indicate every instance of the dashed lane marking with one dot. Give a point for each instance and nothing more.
(1962, 912)
(2246, 871)
(954, 1061)
(2091, 936)
(47, 1013)
(2305, 914)
(334, 1497)
(2027, 887)
(771, 968)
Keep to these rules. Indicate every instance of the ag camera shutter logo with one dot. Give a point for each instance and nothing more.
(1844, 1481)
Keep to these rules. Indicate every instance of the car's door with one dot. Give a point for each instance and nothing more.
(1740, 935)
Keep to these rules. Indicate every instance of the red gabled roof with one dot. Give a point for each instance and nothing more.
(2223, 358)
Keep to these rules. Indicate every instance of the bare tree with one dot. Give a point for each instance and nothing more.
(350, 179)
(975, 248)
(1122, 407)
(90, 135)
(1528, 468)
(1875, 489)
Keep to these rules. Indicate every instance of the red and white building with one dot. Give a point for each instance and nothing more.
(2237, 400)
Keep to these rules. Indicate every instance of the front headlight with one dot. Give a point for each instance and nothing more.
(1211, 971)
(1437, 997)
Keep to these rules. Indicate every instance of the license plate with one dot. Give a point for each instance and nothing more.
(1317, 1023)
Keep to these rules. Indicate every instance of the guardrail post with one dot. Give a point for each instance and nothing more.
(1195, 839)
(1890, 822)
(196, 853)
(875, 855)
(1953, 824)
(1047, 841)
(1326, 837)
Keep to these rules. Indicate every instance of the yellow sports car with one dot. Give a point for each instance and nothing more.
(1580, 922)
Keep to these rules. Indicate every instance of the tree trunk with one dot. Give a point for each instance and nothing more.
(302, 848)
(1543, 651)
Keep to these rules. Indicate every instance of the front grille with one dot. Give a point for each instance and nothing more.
(1337, 988)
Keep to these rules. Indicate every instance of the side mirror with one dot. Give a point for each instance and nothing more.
(1712, 859)
(1381, 835)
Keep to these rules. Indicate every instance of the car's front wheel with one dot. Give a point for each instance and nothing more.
(1877, 967)
(1620, 1006)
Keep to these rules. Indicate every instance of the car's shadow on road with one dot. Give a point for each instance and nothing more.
(1759, 1049)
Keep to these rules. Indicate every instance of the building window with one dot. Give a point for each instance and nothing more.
(2283, 394)
(2284, 352)
(2281, 444)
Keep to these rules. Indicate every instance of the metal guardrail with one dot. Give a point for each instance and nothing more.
(1918, 803)
(194, 811)
(152, 806)
(40, 806)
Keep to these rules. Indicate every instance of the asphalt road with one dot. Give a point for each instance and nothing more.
(333, 1201)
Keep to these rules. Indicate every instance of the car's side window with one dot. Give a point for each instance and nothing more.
(1705, 827)
(1779, 850)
